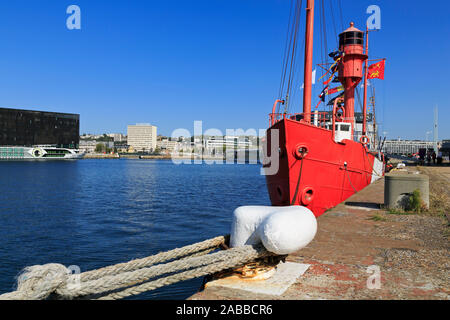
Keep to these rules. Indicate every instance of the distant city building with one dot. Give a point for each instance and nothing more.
(405, 146)
(231, 142)
(166, 144)
(89, 146)
(142, 137)
(445, 147)
(217, 145)
(121, 147)
(91, 136)
(28, 128)
(117, 136)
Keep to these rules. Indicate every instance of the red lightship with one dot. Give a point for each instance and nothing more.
(321, 162)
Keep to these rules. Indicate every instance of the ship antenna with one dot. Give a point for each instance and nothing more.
(308, 61)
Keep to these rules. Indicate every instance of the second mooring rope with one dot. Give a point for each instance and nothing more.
(133, 277)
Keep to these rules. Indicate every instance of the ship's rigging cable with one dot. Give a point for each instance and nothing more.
(296, 82)
(285, 55)
(324, 40)
(324, 44)
(288, 67)
(288, 88)
(296, 26)
(334, 22)
(340, 11)
(324, 37)
(323, 51)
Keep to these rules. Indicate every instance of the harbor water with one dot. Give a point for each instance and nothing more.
(93, 213)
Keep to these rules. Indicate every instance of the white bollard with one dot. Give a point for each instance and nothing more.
(282, 230)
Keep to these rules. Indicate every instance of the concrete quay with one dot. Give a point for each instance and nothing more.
(358, 236)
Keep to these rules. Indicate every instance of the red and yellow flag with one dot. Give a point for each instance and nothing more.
(334, 90)
(376, 70)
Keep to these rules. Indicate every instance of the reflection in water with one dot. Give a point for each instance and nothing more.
(94, 213)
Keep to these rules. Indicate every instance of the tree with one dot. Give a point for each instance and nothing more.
(105, 138)
(99, 147)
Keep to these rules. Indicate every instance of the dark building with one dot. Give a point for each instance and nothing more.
(445, 148)
(28, 128)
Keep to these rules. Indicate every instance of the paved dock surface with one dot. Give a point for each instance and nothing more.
(355, 237)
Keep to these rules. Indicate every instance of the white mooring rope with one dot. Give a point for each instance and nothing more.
(134, 277)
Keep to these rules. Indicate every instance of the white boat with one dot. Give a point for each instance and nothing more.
(41, 152)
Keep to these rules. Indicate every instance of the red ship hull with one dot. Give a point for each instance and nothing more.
(324, 174)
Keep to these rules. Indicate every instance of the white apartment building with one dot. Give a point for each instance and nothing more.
(87, 146)
(142, 137)
(227, 141)
(406, 146)
(166, 144)
(117, 137)
(217, 144)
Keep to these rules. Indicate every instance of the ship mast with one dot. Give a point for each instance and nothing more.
(308, 61)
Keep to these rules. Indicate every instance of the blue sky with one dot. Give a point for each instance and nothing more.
(172, 62)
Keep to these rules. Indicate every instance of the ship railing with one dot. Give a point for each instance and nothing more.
(45, 146)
